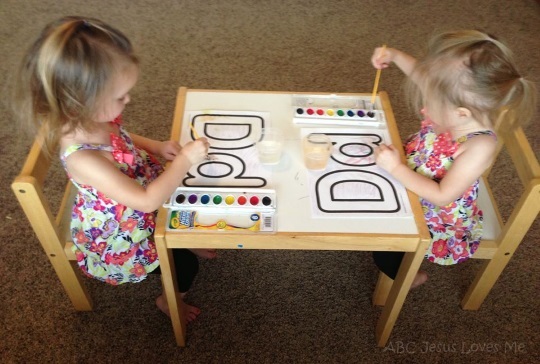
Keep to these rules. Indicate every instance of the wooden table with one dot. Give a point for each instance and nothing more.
(296, 229)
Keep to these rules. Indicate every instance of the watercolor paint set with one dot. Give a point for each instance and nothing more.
(336, 110)
(222, 209)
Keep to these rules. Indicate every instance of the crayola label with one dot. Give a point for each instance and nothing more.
(182, 219)
(220, 221)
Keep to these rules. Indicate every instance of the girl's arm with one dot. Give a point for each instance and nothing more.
(145, 143)
(96, 169)
(473, 159)
(382, 58)
(167, 149)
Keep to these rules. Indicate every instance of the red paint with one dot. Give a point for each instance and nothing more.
(254, 200)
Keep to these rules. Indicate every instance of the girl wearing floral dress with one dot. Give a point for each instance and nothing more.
(75, 82)
(462, 86)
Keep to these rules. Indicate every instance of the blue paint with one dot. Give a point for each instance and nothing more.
(205, 199)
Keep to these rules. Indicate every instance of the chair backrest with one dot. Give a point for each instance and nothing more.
(501, 238)
(525, 210)
(52, 231)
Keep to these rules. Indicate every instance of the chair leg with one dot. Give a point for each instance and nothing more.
(482, 284)
(487, 277)
(40, 217)
(514, 231)
(382, 289)
(72, 282)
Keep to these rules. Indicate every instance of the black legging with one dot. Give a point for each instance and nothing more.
(187, 266)
(388, 262)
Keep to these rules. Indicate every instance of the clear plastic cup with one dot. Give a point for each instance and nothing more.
(270, 146)
(317, 150)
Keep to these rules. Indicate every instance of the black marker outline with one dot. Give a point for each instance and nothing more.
(377, 143)
(249, 125)
(189, 176)
(356, 211)
(335, 184)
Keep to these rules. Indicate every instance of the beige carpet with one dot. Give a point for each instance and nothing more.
(265, 306)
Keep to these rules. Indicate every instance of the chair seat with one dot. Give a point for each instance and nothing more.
(492, 222)
(63, 219)
(492, 219)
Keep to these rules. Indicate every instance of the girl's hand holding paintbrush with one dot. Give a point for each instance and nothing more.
(197, 138)
(196, 151)
(382, 57)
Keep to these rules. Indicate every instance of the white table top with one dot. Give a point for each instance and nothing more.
(290, 177)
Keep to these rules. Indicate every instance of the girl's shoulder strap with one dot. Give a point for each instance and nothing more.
(115, 140)
(466, 137)
(76, 147)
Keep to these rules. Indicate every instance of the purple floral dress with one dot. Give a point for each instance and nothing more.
(456, 229)
(114, 243)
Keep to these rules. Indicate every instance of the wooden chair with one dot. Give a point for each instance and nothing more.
(501, 239)
(52, 231)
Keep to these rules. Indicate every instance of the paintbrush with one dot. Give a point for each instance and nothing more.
(377, 78)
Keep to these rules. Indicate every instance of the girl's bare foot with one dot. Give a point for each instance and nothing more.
(205, 253)
(161, 303)
(420, 278)
(190, 312)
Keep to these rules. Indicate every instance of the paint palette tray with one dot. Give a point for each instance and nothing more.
(336, 110)
(213, 209)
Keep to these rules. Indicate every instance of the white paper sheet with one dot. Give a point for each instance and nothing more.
(352, 185)
(232, 135)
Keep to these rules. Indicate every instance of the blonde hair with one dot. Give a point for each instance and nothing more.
(64, 72)
(473, 70)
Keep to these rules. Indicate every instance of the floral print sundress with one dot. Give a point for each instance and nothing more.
(456, 229)
(112, 242)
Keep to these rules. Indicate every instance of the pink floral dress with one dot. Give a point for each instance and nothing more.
(114, 243)
(456, 229)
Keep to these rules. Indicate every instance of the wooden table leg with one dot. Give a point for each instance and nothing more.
(407, 271)
(170, 287)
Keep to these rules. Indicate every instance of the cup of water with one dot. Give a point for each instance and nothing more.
(317, 149)
(270, 146)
